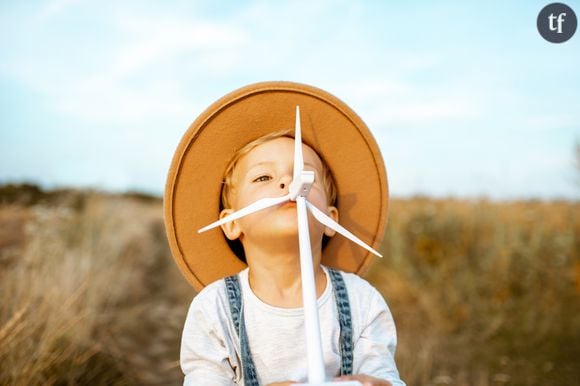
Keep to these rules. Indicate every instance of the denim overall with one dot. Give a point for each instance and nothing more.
(344, 317)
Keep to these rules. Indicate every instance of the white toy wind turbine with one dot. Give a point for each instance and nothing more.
(298, 191)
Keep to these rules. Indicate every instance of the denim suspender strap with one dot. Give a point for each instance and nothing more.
(344, 317)
(235, 299)
(345, 320)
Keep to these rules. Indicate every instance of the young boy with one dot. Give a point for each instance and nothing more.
(249, 328)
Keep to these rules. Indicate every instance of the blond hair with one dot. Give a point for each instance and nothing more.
(228, 188)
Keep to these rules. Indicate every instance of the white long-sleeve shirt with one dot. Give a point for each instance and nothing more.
(210, 348)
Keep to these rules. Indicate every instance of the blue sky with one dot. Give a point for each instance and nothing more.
(464, 98)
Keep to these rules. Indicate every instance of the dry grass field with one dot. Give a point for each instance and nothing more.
(483, 293)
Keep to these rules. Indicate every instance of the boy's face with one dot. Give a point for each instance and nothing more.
(266, 171)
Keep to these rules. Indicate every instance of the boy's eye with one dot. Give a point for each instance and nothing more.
(262, 178)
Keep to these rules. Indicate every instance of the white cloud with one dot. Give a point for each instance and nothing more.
(142, 73)
(153, 38)
(388, 102)
(52, 8)
(548, 122)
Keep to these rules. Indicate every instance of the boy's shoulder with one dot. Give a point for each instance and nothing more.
(215, 294)
(210, 291)
(211, 301)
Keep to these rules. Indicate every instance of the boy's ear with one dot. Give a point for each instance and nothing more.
(231, 229)
(332, 212)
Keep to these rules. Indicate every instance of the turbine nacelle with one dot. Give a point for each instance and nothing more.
(302, 185)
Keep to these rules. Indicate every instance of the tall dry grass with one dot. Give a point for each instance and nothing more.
(91, 296)
(483, 293)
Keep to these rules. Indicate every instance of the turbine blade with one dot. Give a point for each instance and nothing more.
(298, 159)
(324, 219)
(254, 207)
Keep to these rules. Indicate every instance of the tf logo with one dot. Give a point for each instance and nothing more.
(557, 22)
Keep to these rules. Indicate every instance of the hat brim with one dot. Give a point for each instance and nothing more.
(337, 134)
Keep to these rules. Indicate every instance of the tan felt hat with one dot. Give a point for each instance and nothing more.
(339, 136)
